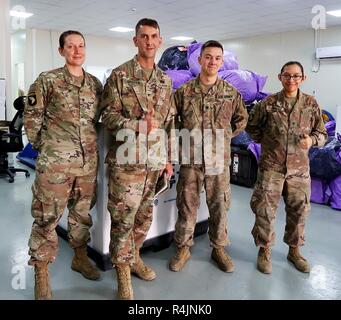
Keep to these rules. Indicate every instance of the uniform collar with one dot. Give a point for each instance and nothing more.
(281, 97)
(71, 80)
(157, 74)
(197, 86)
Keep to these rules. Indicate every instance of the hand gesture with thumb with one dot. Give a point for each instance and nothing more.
(151, 122)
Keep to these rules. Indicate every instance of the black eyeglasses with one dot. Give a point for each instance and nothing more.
(296, 77)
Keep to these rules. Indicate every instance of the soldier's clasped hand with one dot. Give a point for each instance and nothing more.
(305, 142)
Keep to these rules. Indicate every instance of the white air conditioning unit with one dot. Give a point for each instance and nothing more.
(328, 52)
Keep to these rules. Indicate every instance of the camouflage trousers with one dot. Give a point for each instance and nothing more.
(130, 203)
(218, 198)
(295, 190)
(52, 192)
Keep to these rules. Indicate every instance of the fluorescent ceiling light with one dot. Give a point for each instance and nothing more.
(20, 14)
(121, 29)
(182, 38)
(335, 13)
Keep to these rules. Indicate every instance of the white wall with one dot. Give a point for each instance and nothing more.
(266, 55)
(263, 54)
(42, 52)
(5, 60)
(18, 57)
(38, 50)
(101, 52)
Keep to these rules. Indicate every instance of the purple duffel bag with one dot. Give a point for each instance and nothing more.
(179, 77)
(330, 127)
(256, 149)
(320, 191)
(193, 52)
(335, 187)
(248, 83)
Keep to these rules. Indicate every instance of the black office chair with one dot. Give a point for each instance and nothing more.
(11, 139)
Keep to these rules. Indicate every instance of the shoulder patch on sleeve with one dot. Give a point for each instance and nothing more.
(32, 99)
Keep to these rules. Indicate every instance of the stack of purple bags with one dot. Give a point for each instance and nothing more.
(328, 191)
(248, 83)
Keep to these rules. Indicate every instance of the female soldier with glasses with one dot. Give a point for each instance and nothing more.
(286, 124)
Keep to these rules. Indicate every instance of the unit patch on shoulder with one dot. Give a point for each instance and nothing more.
(32, 99)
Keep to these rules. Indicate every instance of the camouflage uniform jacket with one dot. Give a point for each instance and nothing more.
(222, 108)
(59, 119)
(127, 97)
(278, 128)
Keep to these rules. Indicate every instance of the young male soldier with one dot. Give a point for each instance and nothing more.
(137, 93)
(60, 115)
(286, 124)
(214, 110)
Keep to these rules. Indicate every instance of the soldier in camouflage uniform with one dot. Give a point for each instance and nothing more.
(137, 93)
(209, 106)
(60, 116)
(286, 124)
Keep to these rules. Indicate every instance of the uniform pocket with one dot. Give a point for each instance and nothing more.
(227, 199)
(223, 112)
(274, 125)
(37, 205)
(306, 119)
(189, 116)
(89, 106)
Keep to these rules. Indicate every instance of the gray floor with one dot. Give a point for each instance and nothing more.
(200, 279)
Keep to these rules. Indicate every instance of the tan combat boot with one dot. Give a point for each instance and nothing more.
(42, 289)
(264, 260)
(140, 269)
(224, 261)
(82, 264)
(182, 255)
(299, 262)
(124, 287)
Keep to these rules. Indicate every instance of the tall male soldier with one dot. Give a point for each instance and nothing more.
(60, 116)
(137, 93)
(213, 110)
